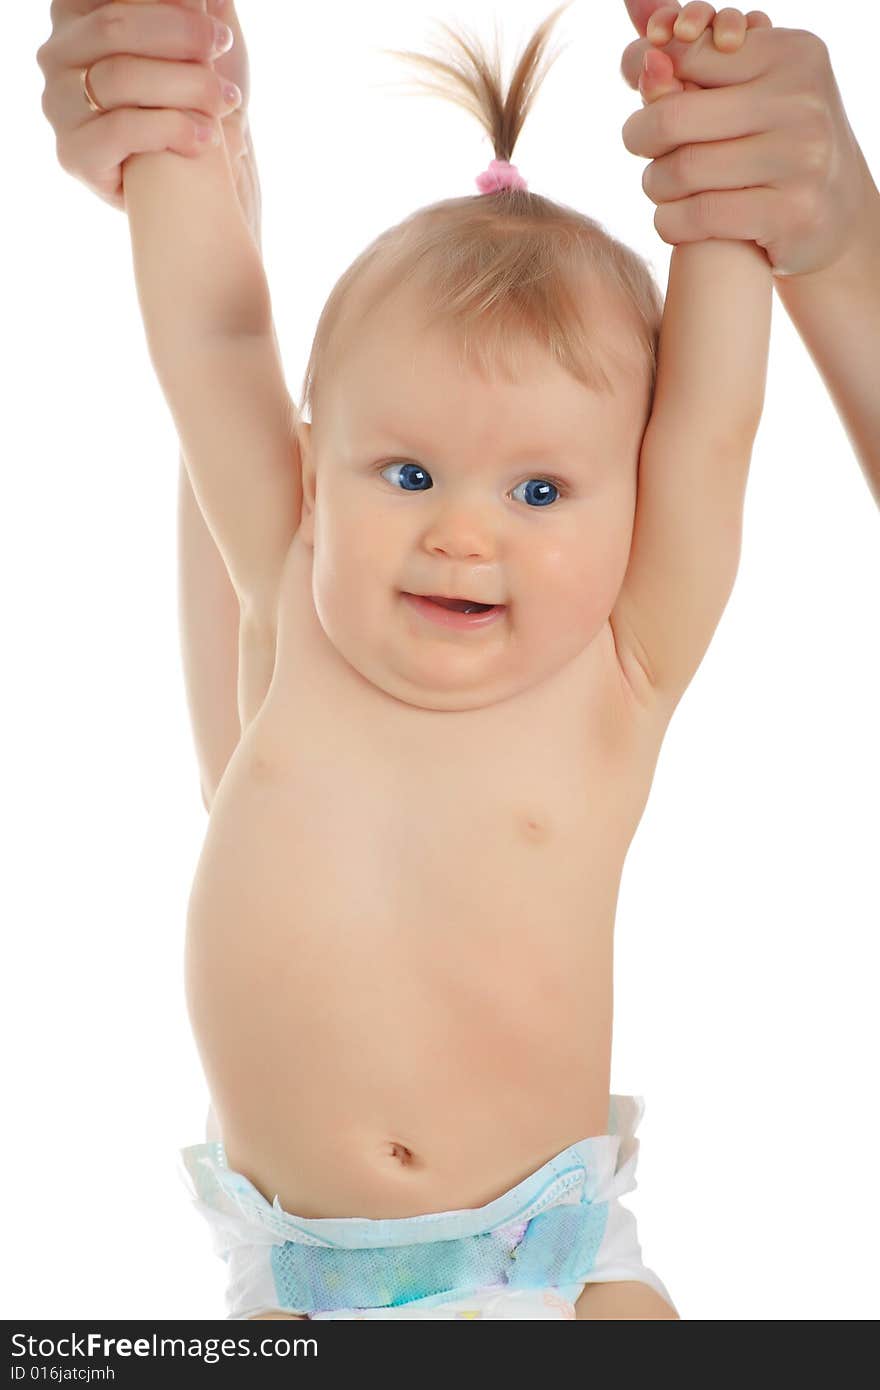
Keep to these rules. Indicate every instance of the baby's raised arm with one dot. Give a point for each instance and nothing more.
(208, 319)
(695, 453)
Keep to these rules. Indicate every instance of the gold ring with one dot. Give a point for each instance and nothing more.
(87, 92)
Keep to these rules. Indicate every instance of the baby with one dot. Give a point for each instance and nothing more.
(473, 589)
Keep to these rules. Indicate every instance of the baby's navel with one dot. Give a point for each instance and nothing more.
(404, 1156)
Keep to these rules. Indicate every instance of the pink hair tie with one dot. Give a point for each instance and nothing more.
(500, 174)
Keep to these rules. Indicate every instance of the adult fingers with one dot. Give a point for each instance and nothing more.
(108, 41)
(657, 78)
(123, 81)
(747, 214)
(106, 38)
(136, 27)
(756, 160)
(63, 10)
(230, 68)
(738, 90)
(693, 118)
(95, 152)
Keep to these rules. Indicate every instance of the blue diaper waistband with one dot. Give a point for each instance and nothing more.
(592, 1170)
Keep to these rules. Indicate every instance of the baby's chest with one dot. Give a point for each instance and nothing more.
(480, 848)
(520, 797)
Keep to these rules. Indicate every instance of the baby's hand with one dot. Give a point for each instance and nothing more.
(729, 28)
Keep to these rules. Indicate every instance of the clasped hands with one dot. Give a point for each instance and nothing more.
(746, 133)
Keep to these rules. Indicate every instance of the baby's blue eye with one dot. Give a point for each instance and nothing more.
(540, 490)
(412, 476)
(408, 469)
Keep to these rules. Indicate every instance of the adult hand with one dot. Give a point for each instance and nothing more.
(153, 66)
(767, 157)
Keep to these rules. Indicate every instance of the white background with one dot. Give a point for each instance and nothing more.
(747, 930)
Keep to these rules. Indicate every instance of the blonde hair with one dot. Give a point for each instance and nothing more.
(507, 266)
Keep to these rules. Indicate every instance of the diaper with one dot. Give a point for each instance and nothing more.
(526, 1255)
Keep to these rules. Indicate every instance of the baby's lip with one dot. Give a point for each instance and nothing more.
(457, 598)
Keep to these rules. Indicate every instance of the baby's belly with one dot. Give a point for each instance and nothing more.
(394, 1022)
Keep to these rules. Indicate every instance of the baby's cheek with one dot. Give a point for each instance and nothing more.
(590, 580)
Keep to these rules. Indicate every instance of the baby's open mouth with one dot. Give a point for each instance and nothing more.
(459, 605)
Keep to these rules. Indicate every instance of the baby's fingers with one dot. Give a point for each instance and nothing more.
(729, 30)
(660, 25)
(693, 21)
(730, 26)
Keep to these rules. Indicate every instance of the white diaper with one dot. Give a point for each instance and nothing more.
(526, 1255)
(513, 1306)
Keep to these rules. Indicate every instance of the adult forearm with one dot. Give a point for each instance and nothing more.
(837, 314)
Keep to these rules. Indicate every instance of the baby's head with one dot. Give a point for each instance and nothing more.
(478, 387)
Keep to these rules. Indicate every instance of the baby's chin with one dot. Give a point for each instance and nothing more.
(440, 677)
(429, 665)
(438, 699)
(438, 669)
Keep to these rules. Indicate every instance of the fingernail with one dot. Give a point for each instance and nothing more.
(231, 94)
(223, 38)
